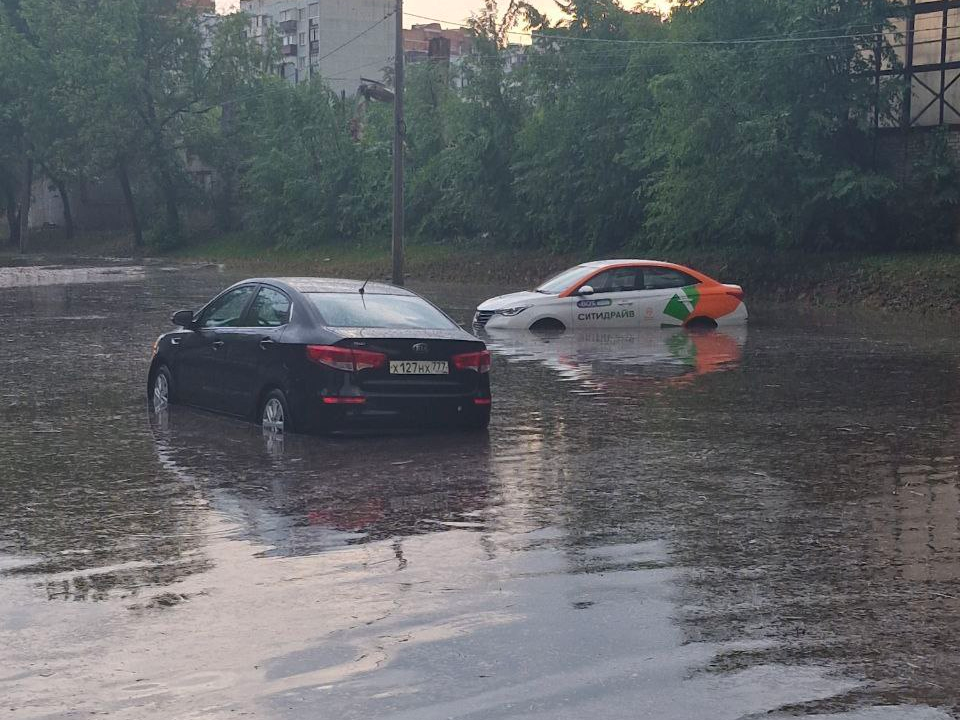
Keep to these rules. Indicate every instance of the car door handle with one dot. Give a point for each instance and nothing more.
(217, 344)
(175, 341)
(266, 344)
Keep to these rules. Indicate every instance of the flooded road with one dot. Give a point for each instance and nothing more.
(662, 525)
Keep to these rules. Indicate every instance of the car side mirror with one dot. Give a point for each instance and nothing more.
(585, 290)
(183, 319)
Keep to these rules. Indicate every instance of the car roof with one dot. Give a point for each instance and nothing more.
(597, 264)
(594, 268)
(333, 285)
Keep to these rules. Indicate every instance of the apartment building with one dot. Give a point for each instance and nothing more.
(422, 42)
(338, 40)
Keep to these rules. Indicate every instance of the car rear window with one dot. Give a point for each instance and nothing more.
(379, 311)
(658, 278)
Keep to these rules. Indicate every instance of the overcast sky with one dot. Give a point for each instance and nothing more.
(454, 10)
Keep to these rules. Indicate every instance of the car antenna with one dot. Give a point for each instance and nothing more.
(362, 291)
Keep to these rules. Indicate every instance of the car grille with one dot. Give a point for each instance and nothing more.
(482, 317)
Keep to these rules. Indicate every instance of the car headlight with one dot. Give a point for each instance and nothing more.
(510, 312)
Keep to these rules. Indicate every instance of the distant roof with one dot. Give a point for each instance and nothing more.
(329, 285)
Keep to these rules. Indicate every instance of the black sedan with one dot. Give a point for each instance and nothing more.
(313, 354)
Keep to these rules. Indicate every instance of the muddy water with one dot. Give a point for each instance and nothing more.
(658, 526)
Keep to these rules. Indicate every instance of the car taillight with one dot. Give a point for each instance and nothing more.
(479, 361)
(345, 400)
(346, 359)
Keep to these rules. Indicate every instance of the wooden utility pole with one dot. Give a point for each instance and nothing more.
(398, 133)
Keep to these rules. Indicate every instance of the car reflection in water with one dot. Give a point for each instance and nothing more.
(301, 495)
(619, 363)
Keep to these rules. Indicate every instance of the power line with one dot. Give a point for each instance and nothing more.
(459, 25)
(357, 37)
(771, 39)
(703, 43)
(759, 37)
(383, 62)
(608, 55)
(603, 54)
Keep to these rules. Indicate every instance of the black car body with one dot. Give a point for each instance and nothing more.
(324, 355)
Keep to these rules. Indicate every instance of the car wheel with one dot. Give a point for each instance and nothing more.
(548, 325)
(160, 393)
(477, 422)
(700, 324)
(275, 413)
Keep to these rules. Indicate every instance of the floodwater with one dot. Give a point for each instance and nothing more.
(734, 525)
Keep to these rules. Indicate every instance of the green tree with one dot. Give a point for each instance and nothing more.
(21, 77)
(571, 180)
(306, 161)
(132, 73)
(767, 142)
(474, 168)
(238, 66)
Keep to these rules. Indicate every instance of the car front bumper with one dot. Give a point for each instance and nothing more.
(484, 319)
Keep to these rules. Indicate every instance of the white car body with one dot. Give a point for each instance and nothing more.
(693, 297)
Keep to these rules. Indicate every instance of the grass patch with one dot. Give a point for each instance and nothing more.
(927, 282)
(53, 242)
(480, 261)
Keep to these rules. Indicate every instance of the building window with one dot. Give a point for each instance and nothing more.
(285, 15)
(303, 38)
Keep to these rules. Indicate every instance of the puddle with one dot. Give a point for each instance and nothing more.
(752, 524)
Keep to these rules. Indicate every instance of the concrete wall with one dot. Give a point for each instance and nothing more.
(46, 207)
(901, 148)
(95, 206)
(320, 28)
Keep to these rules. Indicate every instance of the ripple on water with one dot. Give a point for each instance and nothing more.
(702, 526)
(19, 277)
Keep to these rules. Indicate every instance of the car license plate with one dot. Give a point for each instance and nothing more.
(419, 367)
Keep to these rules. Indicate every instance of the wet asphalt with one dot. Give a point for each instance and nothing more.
(760, 523)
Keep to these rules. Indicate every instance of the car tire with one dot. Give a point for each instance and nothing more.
(274, 413)
(476, 422)
(701, 324)
(160, 393)
(548, 325)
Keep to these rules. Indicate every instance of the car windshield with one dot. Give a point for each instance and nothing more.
(379, 311)
(559, 283)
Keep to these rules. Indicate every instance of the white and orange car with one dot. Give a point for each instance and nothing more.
(618, 294)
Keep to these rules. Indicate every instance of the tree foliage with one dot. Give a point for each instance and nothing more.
(621, 128)
(725, 124)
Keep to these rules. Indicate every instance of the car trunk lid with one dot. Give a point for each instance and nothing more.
(426, 347)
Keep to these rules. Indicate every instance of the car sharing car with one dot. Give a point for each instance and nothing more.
(313, 354)
(618, 294)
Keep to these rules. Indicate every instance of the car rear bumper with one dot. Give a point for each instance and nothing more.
(394, 412)
(737, 317)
